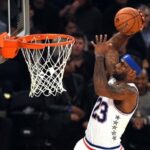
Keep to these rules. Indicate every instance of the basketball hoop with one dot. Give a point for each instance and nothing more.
(46, 56)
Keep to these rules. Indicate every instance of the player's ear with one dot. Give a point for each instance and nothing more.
(132, 74)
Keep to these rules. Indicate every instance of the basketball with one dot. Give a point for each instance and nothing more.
(128, 21)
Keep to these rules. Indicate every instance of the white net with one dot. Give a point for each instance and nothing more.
(46, 66)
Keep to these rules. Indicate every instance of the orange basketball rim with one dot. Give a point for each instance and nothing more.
(10, 45)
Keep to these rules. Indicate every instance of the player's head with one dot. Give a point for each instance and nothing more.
(127, 69)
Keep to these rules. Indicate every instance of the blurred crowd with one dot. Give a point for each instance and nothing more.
(58, 122)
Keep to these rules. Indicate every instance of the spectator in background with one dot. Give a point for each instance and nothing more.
(69, 25)
(83, 59)
(33, 28)
(139, 44)
(138, 131)
(45, 18)
(88, 17)
(143, 109)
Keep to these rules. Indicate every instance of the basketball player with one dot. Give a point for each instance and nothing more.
(116, 103)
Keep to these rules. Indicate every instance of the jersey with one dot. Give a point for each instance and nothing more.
(107, 124)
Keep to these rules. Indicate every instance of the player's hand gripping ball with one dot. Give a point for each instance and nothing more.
(129, 21)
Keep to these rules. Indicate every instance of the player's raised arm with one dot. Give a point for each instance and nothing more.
(118, 40)
(126, 29)
(122, 71)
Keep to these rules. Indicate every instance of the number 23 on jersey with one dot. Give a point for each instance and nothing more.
(100, 111)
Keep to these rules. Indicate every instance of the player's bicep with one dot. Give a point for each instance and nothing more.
(121, 92)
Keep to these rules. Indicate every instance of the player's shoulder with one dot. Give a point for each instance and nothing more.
(132, 85)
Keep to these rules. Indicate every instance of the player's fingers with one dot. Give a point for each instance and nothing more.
(141, 27)
(143, 22)
(92, 42)
(143, 19)
(96, 38)
(105, 38)
(140, 12)
(100, 38)
(142, 15)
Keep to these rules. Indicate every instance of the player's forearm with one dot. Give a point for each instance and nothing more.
(118, 40)
(111, 59)
(100, 80)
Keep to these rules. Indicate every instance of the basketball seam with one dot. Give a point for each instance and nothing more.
(133, 17)
(137, 20)
(132, 24)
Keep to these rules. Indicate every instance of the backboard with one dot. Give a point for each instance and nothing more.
(18, 17)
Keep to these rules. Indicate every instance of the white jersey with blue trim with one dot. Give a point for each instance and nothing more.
(107, 123)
